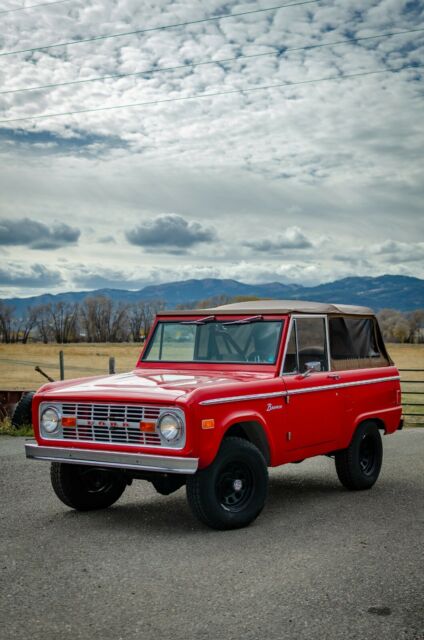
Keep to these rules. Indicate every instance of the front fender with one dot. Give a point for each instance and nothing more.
(210, 440)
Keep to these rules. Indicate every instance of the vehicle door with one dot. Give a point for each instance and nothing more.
(313, 417)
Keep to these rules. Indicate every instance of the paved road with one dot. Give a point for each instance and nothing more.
(320, 562)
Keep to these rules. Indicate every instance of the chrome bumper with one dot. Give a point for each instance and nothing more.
(116, 459)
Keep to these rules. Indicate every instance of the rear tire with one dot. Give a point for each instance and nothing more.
(231, 492)
(86, 488)
(22, 416)
(358, 466)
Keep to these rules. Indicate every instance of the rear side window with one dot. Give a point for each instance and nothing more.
(354, 343)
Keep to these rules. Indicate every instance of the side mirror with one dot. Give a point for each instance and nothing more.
(311, 367)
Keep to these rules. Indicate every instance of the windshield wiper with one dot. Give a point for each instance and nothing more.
(200, 320)
(244, 320)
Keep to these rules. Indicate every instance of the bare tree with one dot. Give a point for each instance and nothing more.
(44, 322)
(136, 320)
(416, 322)
(104, 321)
(64, 319)
(152, 309)
(29, 321)
(394, 325)
(6, 319)
(401, 330)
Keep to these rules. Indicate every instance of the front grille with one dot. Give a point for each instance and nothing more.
(116, 423)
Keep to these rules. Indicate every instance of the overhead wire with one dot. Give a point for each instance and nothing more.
(160, 28)
(33, 6)
(280, 51)
(212, 94)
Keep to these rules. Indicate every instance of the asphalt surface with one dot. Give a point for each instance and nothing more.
(320, 562)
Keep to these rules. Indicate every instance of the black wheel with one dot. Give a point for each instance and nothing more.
(358, 466)
(22, 416)
(86, 488)
(231, 492)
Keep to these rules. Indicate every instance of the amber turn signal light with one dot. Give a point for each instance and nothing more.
(147, 427)
(69, 422)
(208, 424)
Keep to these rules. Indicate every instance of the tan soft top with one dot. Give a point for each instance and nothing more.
(276, 307)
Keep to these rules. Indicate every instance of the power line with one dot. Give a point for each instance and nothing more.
(280, 51)
(213, 94)
(162, 28)
(32, 6)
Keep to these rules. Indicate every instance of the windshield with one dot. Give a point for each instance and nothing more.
(207, 340)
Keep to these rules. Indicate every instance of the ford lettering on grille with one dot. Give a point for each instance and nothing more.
(119, 424)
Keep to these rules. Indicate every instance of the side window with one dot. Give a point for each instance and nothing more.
(307, 345)
(311, 343)
(354, 343)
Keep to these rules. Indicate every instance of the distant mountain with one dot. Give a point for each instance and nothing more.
(397, 292)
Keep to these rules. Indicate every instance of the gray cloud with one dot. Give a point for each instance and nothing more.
(394, 251)
(343, 157)
(292, 238)
(170, 230)
(107, 240)
(34, 276)
(37, 235)
(96, 277)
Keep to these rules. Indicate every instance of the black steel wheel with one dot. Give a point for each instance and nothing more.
(235, 486)
(86, 488)
(358, 466)
(231, 492)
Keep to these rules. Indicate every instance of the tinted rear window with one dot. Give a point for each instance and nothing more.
(352, 338)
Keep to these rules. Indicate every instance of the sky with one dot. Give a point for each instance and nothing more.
(310, 181)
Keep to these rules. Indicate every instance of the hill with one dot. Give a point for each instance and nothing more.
(403, 293)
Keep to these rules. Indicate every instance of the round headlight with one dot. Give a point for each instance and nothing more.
(50, 420)
(170, 426)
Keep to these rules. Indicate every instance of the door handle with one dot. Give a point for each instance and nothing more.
(334, 376)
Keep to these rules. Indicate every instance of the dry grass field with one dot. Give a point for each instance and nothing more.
(17, 363)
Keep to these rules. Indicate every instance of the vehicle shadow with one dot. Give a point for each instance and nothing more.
(147, 511)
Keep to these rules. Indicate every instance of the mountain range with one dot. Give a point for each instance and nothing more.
(403, 293)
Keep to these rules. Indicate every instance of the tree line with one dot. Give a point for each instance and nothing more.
(100, 319)
(95, 319)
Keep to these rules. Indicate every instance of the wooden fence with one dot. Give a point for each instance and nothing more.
(413, 396)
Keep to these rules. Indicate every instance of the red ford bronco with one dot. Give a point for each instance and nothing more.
(217, 397)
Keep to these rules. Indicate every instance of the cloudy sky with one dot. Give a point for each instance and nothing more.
(308, 181)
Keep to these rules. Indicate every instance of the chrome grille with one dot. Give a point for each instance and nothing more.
(116, 423)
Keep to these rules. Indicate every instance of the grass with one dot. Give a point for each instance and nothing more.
(6, 429)
(17, 362)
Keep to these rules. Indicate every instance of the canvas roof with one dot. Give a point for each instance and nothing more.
(256, 307)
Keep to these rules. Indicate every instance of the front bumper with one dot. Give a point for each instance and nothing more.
(115, 459)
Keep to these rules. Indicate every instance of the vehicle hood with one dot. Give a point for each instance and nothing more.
(155, 384)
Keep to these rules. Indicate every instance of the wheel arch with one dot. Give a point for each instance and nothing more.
(252, 431)
(377, 420)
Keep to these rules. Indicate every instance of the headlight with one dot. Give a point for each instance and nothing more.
(50, 420)
(170, 426)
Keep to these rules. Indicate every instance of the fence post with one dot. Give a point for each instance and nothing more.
(111, 365)
(61, 365)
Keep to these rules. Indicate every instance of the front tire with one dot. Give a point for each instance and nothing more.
(231, 492)
(358, 466)
(86, 488)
